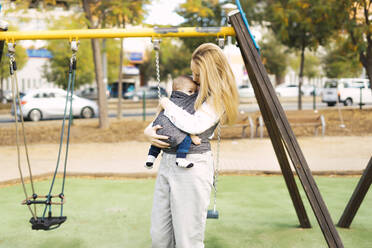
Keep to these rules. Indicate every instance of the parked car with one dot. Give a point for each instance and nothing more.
(245, 91)
(287, 90)
(50, 103)
(114, 88)
(149, 92)
(91, 93)
(347, 91)
(8, 97)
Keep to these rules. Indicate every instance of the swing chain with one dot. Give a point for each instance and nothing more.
(156, 43)
(216, 169)
(221, 42)
(11, 54)
(74, 49)
(16, 107)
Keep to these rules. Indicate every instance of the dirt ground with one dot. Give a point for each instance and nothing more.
(357, 122)
(324, 155)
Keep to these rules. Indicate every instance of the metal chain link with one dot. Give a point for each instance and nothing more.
(216, 168)
(17, 103)
(158, 72)
(156, 43)
(69, 96)
(216, 164)
(221, 42)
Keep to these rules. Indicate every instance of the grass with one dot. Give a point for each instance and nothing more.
(255, 211)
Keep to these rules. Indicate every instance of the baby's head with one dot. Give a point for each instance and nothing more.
(185, 84)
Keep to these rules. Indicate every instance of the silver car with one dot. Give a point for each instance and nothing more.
(50, 103)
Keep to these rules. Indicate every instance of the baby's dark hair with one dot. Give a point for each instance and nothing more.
(180, 81)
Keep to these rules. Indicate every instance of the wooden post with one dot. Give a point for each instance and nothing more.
(276, 118)
(357, 197)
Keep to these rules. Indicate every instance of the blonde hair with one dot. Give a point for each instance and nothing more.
(217, 82)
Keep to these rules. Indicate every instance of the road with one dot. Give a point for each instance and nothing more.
(248, 107)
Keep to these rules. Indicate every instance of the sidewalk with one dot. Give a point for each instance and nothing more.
(341, 154)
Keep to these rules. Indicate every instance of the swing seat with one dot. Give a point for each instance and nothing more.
(48, 223)
(212, 214)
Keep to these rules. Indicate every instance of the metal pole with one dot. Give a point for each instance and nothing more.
(3, 28)
(144, 106)
(104, 64)
(361, 101)
(314, 98)
(118, 33)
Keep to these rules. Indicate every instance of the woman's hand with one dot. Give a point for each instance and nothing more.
(154, 138)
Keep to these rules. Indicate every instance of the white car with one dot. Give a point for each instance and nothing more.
(287, 90)
(347, 91)
(245, 91)
(50, 103)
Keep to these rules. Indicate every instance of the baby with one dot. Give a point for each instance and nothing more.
(184, 94)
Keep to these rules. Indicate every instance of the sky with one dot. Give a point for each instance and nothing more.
(162, 12)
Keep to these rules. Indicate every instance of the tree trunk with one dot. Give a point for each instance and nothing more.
(278, 79)
(366, 61)
(120, 83)
(102, 101)
(104, 62)
(301, 77)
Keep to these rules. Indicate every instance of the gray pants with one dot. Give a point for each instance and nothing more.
(181, 200)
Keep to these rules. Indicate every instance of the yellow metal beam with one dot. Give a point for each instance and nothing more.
(11, 36)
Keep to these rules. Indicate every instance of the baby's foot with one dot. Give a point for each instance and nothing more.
(150, 162)
(182, 162)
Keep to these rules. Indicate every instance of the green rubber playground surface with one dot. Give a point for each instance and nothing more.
(255, 211)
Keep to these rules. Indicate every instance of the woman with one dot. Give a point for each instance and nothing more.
(181, 196)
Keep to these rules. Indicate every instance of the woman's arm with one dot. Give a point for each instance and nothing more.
(203, 118)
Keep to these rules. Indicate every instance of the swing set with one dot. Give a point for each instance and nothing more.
(50, 222)
(282, 137)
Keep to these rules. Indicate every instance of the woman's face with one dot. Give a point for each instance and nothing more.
(195, 72)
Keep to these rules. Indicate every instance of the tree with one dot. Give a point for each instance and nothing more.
(302, 24)
(275, 57)
(104, 14)
(56, 69)
(357, 24)
(118, 13)
(200, 13)
(21, 60)
(312, 67)
(112, 48)
(174, 61)
(254, 10)
(341, 59)
(102, 101)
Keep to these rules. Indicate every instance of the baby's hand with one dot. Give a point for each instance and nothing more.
(195, 139)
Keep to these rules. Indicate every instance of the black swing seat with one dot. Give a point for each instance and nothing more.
(48, 223)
